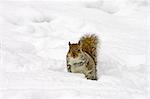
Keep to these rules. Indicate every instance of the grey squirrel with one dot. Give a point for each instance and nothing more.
(82, 57)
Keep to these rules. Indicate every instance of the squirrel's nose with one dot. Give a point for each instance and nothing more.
(73, 55)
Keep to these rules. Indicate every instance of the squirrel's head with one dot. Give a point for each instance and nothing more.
(75, 49)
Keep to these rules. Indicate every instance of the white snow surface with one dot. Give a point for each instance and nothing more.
(34, 40)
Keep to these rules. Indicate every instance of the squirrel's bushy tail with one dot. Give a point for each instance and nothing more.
(89, 45)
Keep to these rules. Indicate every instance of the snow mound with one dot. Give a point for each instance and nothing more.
(34, 42)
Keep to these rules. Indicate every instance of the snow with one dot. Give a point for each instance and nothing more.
(34, 40)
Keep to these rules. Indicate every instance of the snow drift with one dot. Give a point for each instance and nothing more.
(34, 42)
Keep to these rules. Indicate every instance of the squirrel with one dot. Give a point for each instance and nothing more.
(82, 56)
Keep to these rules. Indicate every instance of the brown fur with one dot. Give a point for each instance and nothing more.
(74, 50)
(89, 45)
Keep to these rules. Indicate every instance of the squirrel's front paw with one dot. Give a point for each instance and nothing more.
(69, 68)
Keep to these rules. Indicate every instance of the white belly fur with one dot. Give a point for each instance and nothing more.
(76, 69)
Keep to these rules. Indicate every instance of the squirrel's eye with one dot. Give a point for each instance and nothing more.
(78, 50)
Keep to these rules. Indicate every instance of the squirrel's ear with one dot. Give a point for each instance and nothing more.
(69, 43)
(80, 43)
